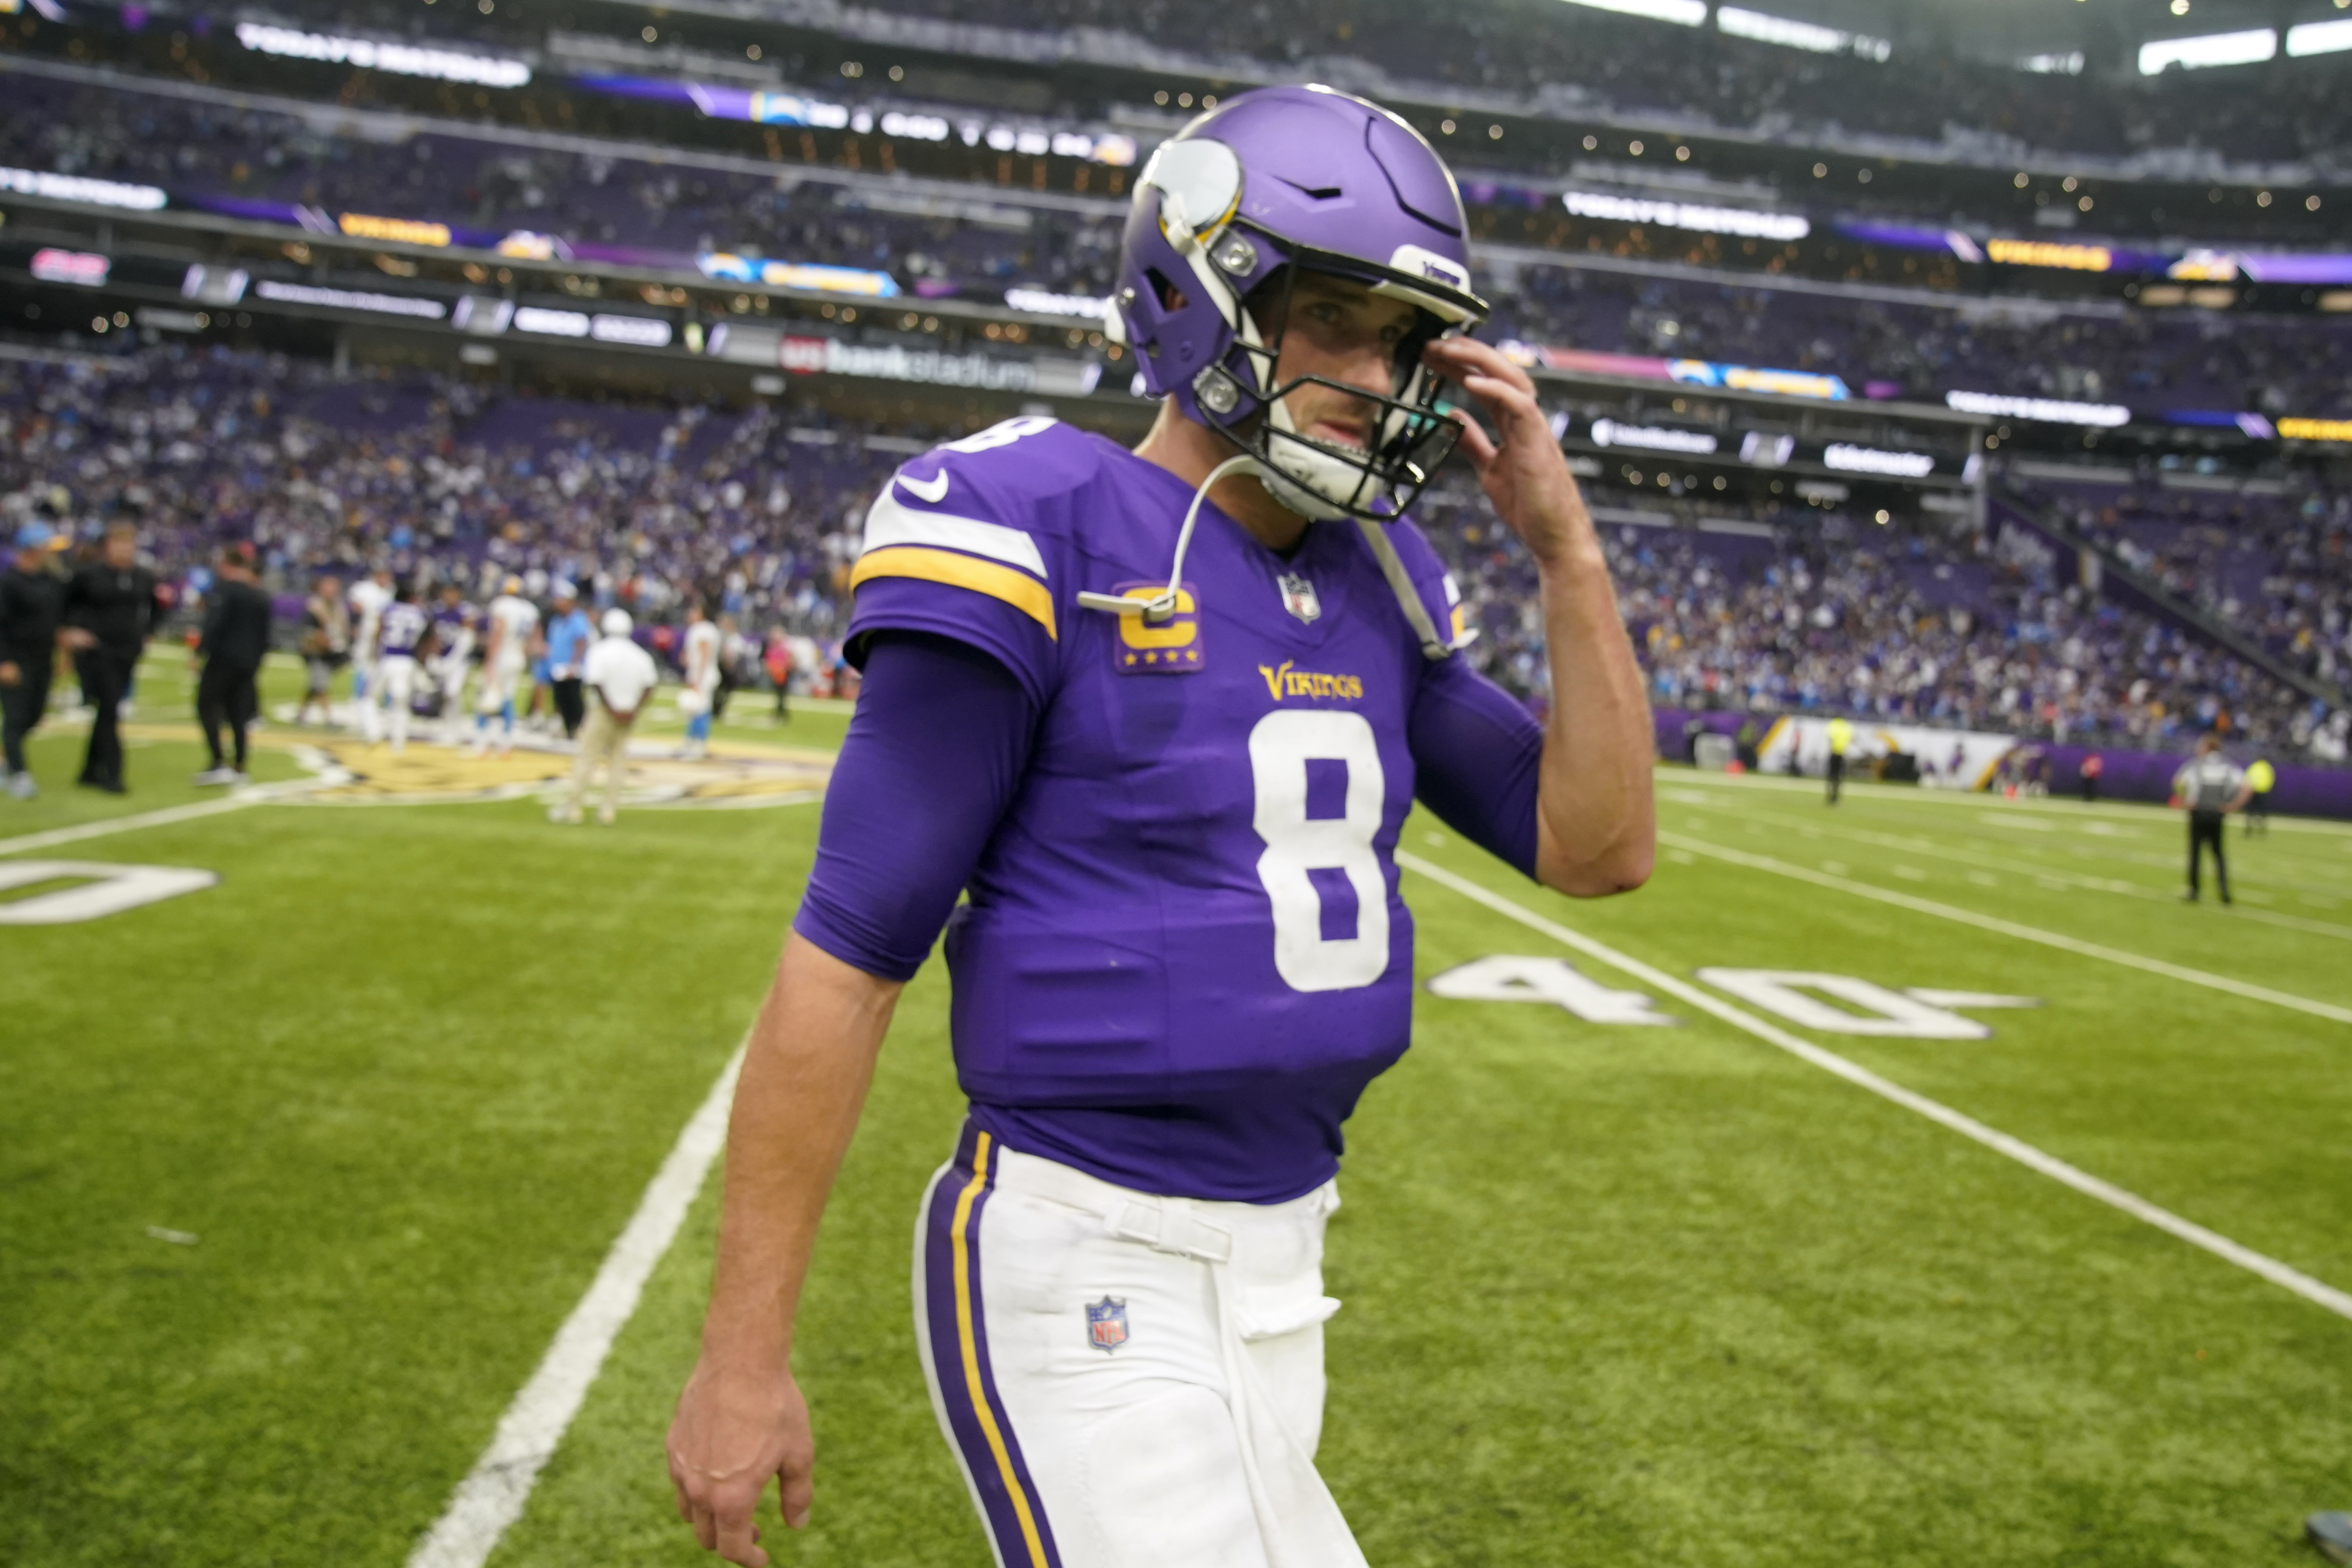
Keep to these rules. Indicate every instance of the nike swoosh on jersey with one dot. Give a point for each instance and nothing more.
(935, 491)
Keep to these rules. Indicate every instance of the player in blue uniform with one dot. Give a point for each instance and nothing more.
(1163, 714)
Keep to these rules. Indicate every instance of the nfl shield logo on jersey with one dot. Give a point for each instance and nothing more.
(1107, 1324)
(1298, 596)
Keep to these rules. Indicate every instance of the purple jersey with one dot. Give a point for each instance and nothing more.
(453, 629)
(1185, 954)
(402, 629)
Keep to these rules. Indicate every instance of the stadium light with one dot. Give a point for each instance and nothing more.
(80, 188)
(1681, 12)
(2250, 47)
(367, 54)
(1792, 34)
(1651, 437)
(2319, 38)
(1851, 460)
(1681, 214)
(2046, 410)
(351, 299)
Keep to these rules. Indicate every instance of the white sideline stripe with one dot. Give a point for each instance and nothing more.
(892, 521)
(2000, 1142)
(2328, 1010)
(491, 1497)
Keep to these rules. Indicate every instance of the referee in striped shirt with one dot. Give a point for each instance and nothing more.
(2212, 786)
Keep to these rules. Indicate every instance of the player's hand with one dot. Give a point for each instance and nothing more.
(9, 674)
(78, 639)
(733, 1431)
(1521, 466)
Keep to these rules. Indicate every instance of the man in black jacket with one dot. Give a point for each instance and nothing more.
(109, 610)
(32, 607)
(236, 638)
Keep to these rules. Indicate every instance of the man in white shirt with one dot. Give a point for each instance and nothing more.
(505, 653)
(697, 698)
(620, 675)
(367, 598)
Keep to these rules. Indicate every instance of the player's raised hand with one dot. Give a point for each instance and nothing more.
(1519, 466)
(732, 1432)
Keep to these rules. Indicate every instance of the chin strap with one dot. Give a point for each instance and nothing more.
(1161, 606)
(1416, 613)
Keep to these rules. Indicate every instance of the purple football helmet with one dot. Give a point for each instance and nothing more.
(1267, 183)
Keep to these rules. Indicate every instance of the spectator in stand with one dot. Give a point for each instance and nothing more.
(32, 610)
(326, 646)
(2210, 786)
(110, 608)
(567, 638)
(235, 640)
(622, 676)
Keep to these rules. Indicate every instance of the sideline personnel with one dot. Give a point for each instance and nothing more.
(1163, 712)
(1841, 736)
(236, 639)
(2261, 779)
(32, 608)
(622, 676)
(2212, 786)
(110, 608)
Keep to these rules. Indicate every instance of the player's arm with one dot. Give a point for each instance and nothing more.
(894, 851)
(1596, 823)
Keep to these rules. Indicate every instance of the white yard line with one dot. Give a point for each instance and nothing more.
(491, 1497)
(237, 800)
(2213, 981)
(2271, 1269)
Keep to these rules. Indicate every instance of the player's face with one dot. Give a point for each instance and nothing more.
(1340, 330)
(121, 550)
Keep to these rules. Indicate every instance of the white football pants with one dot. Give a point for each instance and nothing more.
(1128, 1381)
(395, 683)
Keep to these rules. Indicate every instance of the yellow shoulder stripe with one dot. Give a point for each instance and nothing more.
(1017, 588)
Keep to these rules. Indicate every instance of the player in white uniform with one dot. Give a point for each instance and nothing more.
(367, 599)
(506, 654)
(701, 661)
(402, 634)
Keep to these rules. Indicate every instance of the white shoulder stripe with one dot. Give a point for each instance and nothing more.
(893, 522)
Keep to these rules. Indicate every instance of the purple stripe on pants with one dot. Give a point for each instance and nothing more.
(1000, 1506)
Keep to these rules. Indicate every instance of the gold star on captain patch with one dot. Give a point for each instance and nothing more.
(1152, 659)
(1131, 659)
(1194, 653)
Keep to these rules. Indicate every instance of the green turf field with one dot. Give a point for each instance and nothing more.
(1616, 1292)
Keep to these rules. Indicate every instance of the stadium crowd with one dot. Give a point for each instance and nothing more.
(647, 508)
(2196, 360)
(1578, 59)
(2278, 567)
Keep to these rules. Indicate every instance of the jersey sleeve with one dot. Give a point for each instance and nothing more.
(970, 542)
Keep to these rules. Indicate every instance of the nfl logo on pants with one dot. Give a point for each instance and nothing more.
(1107, 1324)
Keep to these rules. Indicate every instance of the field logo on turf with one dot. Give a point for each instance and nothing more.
(353, 773)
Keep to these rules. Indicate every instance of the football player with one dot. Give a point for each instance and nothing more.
(505, 653)
(454, 624)
(697, 699)
(402, 634)
(367, 599)
(1162, 714)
